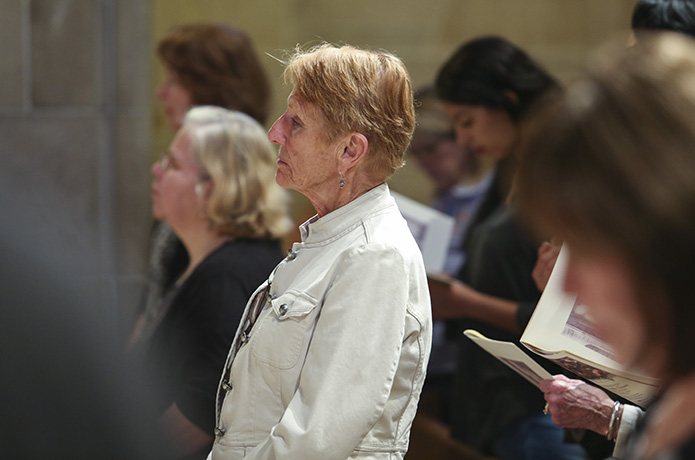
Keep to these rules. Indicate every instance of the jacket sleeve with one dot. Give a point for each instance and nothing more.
(351, 362)
(631, 416)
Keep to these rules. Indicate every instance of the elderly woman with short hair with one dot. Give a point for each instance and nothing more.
(330, 357)
(215, 187)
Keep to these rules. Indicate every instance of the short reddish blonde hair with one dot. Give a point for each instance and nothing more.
(358, 91)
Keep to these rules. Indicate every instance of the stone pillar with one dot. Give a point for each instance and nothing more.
(75, 138)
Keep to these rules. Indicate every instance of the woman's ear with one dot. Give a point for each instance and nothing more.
(203, 189)
(354, 151)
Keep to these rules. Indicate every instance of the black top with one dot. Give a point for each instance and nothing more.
(488, 396)
(189, 347)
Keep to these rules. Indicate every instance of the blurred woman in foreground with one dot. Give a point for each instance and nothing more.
(610, 169)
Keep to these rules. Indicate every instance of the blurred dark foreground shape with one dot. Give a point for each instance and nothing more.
(65, 392)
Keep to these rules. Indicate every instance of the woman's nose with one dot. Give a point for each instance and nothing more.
(157, 169)
(275, 134)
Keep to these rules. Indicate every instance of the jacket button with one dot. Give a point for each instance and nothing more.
(219, 431)
(227, 386)
(291, 255)
(283, 309)
(271, 297)
(244, 337)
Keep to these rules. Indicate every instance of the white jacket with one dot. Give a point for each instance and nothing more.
(335, 363)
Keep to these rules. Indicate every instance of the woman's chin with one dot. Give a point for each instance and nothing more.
(282, 180)
(157, 214)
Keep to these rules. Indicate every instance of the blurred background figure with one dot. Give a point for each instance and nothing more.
(207, 64)
(216, 189)
(674, 15)
(211, 64)
(488, 87)
(66, 392)
(610, 170)
(460, 180)
(460, 177)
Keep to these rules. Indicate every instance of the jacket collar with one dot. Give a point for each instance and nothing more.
(320, 230)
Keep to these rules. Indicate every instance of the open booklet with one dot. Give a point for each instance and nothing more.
(432, 230)
(561, 331)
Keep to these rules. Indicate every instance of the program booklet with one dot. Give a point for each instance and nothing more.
(432, 230)
(561, 331)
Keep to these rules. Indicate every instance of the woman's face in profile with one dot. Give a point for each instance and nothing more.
(306, 162)
(486, 132)
(176, 100)
(176, 175)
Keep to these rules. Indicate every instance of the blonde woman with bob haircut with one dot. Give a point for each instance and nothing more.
(330, 357)
(609, 169)
(215, 188)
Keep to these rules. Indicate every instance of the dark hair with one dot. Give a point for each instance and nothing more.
(218, 66)
(674, 15)
(483, 71)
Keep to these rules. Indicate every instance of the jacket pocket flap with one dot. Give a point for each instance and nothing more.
(292, 305)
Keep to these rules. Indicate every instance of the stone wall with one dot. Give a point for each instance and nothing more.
(75, 138)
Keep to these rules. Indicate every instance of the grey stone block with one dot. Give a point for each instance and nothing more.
(66, 48)
(11, 54)
(135, 53)
(48, 178)
(133, 217)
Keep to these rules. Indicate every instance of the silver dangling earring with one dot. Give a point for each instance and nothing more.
(342, 180)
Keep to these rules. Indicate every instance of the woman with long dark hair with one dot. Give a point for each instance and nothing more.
(488, 87)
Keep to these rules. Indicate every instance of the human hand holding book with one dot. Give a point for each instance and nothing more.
(561, 332)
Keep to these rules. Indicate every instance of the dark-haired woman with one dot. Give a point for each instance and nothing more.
(487, 88)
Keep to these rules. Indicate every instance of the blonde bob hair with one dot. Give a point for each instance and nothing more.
(233, 151)
(358, 91)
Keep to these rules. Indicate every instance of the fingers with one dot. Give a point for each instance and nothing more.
(558, 383)
(547, 256)
(549, 384)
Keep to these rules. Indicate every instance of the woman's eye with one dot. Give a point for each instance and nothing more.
(296, 123)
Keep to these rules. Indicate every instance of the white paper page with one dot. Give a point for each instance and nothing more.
(432, 230)
(512, 356)
(560, 323)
